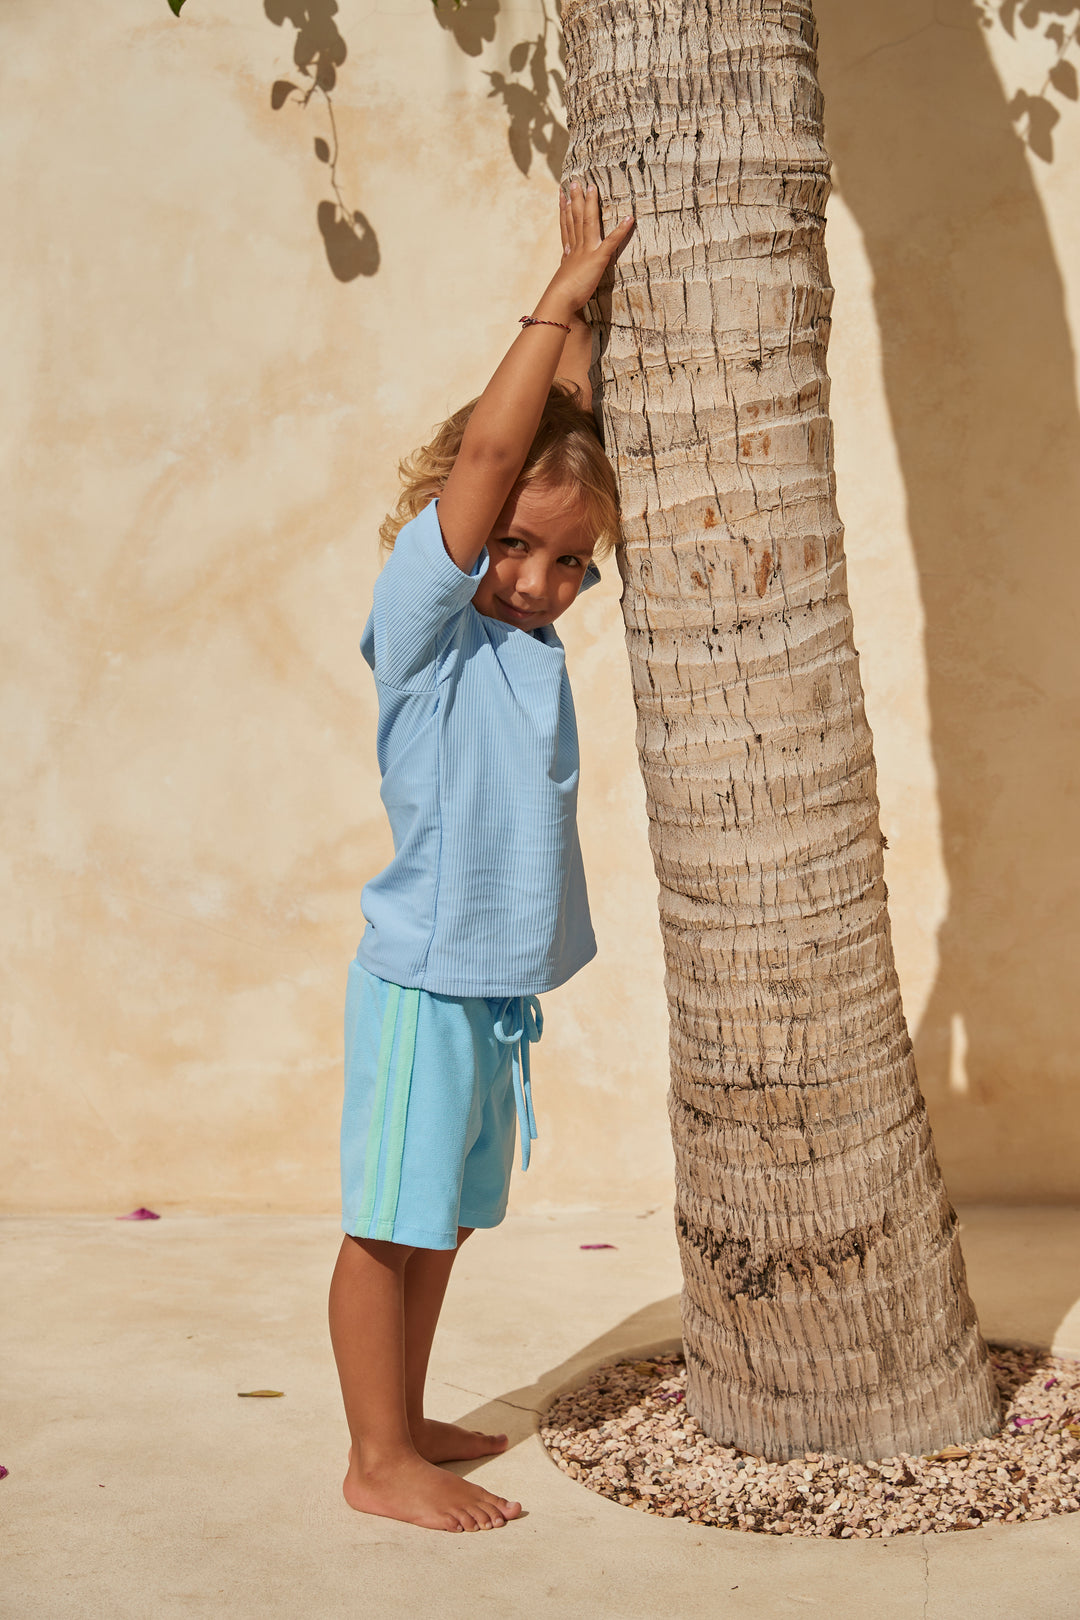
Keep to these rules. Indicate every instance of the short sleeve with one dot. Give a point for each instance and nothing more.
(420, 591)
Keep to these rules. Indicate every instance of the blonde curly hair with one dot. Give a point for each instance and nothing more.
(565, 452)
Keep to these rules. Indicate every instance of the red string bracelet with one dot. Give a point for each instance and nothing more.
(529, 320)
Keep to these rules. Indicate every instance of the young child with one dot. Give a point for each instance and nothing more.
(483, 905)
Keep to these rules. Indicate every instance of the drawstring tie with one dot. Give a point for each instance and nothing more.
(519, 1022)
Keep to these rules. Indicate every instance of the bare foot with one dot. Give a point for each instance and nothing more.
(407, 1487)
(447, 1442)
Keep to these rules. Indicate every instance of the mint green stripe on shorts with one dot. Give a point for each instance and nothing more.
(429, 1118)
(393, 1078)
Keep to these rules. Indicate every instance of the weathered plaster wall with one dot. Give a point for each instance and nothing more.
(205, 421)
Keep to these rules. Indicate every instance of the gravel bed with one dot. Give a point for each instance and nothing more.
(627, 1435)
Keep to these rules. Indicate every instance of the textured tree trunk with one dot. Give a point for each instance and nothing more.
(824, 1305)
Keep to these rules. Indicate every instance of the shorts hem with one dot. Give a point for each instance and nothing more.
(415, 1237)
(482, 1222)
(419, 1237)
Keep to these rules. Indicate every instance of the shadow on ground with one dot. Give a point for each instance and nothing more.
(1023, 1272)
(655, 1328)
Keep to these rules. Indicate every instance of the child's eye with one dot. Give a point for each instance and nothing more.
(572, 562)
(511, 543)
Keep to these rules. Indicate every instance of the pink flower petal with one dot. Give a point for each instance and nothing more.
(1050, 1382)
(140, 1214)
(596, 1245)
(3, 1472)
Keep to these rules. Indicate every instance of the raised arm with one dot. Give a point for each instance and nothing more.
(507, 415)
(576, 360)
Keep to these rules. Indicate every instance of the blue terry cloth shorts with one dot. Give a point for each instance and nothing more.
(434, 1086)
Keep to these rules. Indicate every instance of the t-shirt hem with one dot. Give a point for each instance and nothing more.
(443, 985)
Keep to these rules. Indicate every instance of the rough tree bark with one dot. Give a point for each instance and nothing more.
(824, 1305)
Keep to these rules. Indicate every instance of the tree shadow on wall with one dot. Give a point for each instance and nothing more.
(352, 248)
(979, 378)
(533, 93)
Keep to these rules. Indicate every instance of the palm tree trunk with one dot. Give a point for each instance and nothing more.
(824, 1306)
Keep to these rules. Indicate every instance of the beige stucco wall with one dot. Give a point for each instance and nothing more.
(205, 422)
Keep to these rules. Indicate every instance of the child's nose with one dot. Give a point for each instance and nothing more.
(531, 579)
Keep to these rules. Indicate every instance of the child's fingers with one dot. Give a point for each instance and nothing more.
(591, 219)
(617, 235)
(577, 212)
(582, 221)
(587, 252)
(566, 218)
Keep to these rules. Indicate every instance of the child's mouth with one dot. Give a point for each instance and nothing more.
(515, 613)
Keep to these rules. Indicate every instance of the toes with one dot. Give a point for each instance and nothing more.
(491, 1442)
(500, 1509)
(486, 1513)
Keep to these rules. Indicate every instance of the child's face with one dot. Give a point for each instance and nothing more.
(538, 552)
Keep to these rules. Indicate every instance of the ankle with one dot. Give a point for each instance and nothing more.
(379, 1457)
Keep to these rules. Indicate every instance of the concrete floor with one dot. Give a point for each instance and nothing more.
(141, 1488)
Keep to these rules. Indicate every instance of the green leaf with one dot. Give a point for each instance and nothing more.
(174, 7)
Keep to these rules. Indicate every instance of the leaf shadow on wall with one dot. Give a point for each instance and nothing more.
(533, 93)
(1037, 109)
(978, 371)
(352, 247)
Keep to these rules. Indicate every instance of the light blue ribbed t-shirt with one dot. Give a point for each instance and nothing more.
(478, 749)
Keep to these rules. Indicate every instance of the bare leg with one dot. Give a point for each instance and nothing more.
(426, 1276)
(386, 1473)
